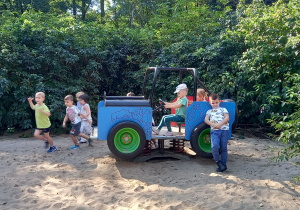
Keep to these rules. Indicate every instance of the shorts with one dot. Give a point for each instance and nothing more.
(45, 130)
(86, 127)
(75, 130)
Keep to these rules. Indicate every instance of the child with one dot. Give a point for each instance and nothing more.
(77, 97)
(79, 106)
(130, 94)
(86, 122)
(42, 114)
(180, 105)
(217, 118)
(73, 113)
(201, 95)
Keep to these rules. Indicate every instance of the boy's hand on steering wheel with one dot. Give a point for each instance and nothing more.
(161, 102)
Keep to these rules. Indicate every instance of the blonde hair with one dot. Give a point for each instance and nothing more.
(201, 92)
(69, 97)
(130, 94)
(79, 94)
(42, 94)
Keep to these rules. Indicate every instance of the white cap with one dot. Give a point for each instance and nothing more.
(180, 87)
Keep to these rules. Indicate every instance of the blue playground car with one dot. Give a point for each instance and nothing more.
(126, 121)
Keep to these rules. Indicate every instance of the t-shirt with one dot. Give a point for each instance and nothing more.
(79, 105)
(42, 120)
(216, 116)
(181, 111)
(84, 112)
(73, 114)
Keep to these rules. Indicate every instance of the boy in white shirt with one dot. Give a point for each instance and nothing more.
(217, 118)
(86, 118)
(73, 114)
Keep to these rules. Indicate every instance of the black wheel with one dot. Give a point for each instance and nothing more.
(200, 140)
(236, 117)
(126, 140)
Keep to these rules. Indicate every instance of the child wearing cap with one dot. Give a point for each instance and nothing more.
(180, 105)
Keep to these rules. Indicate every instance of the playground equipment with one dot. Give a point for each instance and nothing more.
(126, 121)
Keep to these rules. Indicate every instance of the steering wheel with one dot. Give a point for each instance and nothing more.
(160, 107)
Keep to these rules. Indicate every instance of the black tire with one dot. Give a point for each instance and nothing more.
(200, 140)
(126, 140)
(236, 117)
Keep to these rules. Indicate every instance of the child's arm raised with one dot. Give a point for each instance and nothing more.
(30, 102)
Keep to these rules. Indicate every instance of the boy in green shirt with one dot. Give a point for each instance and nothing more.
(42, 114)
(180, 105)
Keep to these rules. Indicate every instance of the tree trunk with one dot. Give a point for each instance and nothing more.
(132, 14)
(102, 10)
(83, 11)
(74, 8)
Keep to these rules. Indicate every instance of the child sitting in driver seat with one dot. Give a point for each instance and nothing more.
(180, 105)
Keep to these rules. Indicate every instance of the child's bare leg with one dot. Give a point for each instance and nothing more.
(84, 136)
(74, 139)
(47, 136)
(37, 134)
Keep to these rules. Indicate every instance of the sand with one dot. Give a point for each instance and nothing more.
(92, 178)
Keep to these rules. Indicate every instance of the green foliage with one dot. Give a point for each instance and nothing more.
(288, 125)
(272, 42)
(60, 56)
(249, 55)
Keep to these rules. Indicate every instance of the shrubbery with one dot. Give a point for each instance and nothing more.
(249, 55)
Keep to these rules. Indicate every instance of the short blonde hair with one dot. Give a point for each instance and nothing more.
(130, 94)
(79, 94)
(42, 94)
(69, 97)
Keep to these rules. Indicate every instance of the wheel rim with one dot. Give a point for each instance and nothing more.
(204, 140)
(127, 140)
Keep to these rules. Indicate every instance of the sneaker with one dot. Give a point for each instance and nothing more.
(46, 144)
(168, 133)
(156, 145)
(75, 147)
(221, 167)
(52, 149)
(155, 130)
(83, 141)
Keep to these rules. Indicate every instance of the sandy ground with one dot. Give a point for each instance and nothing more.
(92, 178)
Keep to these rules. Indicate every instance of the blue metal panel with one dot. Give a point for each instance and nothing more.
(196, 112)
(110, 116)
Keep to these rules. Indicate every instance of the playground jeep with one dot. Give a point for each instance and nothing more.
(126, 121)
